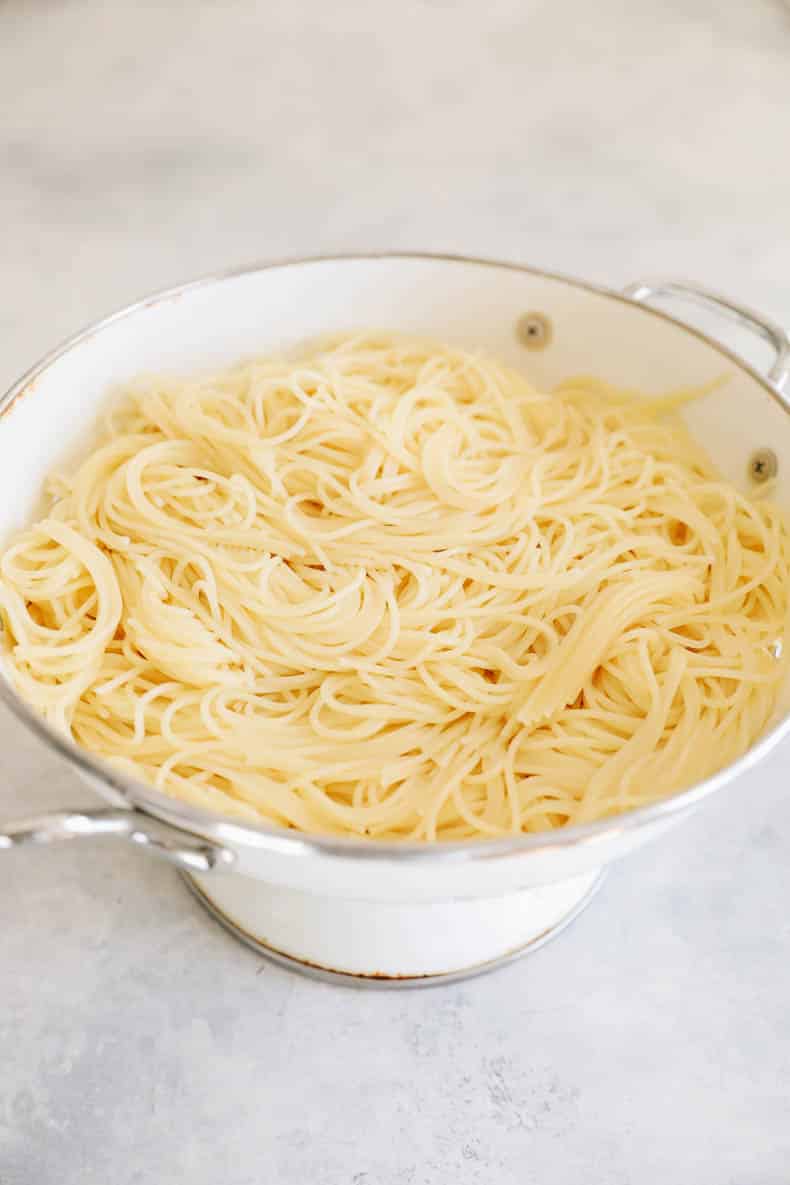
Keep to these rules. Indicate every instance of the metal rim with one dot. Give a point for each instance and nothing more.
(383, 982)
(227, 831)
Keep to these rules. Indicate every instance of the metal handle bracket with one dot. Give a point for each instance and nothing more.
(188, 852)
(646, 291)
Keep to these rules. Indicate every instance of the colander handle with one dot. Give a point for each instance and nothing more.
(646, 291)
(186, 851)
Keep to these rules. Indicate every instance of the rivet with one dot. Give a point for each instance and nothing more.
(763, 465)
(534, 330)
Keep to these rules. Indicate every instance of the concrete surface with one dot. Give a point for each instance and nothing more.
(144, 144)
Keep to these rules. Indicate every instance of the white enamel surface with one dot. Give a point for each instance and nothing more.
(472, 304)
(393, 880)
(387, 939)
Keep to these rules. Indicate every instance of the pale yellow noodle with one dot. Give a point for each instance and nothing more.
(384, 587)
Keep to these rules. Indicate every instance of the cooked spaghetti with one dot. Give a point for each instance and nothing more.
(383, 587)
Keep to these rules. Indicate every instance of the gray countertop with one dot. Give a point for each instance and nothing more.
(141, 145)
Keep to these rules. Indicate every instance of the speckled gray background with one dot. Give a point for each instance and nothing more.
(143, 144)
